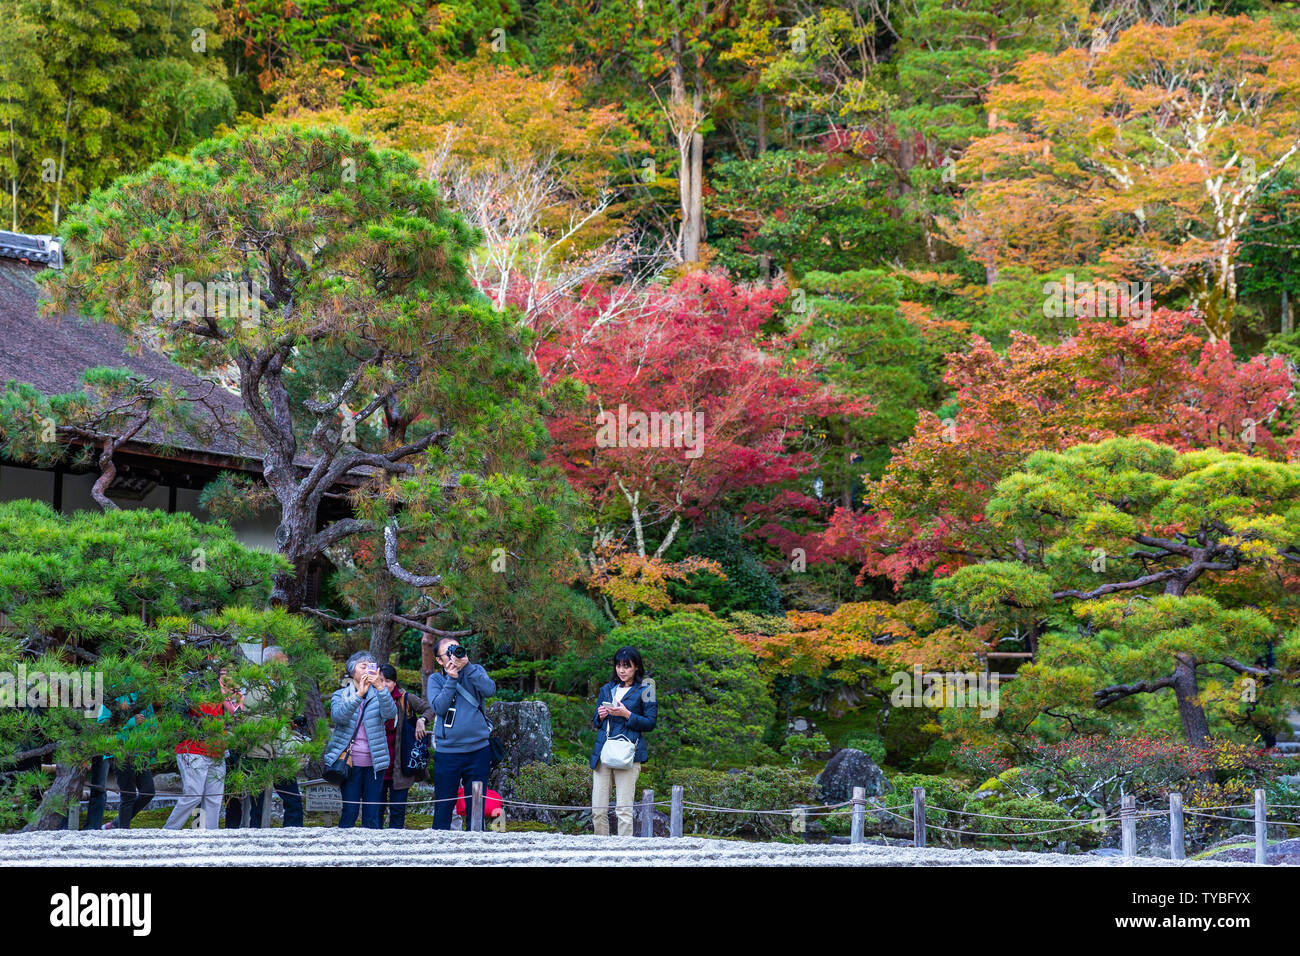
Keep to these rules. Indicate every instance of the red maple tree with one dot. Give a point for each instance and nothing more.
(694, 349)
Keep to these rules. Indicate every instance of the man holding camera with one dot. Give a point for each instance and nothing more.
(462, 753)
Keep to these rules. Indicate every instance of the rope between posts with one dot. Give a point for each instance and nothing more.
(557, 806)
(973, 833)
(713, 809)
(283, 793)
(1020, 833)
(1213, 816)
(994, 816)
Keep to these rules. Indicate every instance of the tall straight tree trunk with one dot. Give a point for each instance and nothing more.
(63, 153)
(689, 145)
(13, 180)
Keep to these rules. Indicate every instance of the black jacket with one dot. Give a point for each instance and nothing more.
(641, 702)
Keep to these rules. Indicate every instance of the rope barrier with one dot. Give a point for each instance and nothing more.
(994, 816)
(713, 809)
(832, 809)
(1212, 816)
(1021, 833)
(845, 807)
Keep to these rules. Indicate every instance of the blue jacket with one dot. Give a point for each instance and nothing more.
(640, 700)
(344, 707)
(470, 729)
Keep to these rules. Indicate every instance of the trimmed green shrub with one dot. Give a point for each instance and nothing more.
(564, 783)
(754, 788)
(872, 746)
(800, 748)
(943, 794)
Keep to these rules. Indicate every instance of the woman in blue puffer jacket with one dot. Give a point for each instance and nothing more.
(358, 711)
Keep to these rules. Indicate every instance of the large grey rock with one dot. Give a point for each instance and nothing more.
(848, 769)
(524, 729)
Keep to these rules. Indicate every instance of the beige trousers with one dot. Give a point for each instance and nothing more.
(624, 783)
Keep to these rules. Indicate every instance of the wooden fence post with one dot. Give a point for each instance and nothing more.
(859, 814)
(476, 812)
(1177, 847)
(1128, 825)
(246, 811)
(918, 816)
(675, 820)
(1261, 830)
(647, 808)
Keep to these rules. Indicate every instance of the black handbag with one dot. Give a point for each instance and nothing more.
(416, 762)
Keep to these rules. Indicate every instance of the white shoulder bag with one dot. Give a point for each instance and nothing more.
(617, 753)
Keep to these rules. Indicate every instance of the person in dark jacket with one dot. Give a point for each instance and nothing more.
(625, 708)
(462, 753)
(357, 714)
(411, 709)
(134, 778)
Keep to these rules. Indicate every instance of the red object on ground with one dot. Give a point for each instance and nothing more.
(491, 804)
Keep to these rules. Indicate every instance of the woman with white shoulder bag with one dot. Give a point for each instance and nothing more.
(626, 710)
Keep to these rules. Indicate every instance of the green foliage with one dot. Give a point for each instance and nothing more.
(977, 816)
(98, 88)
(1201, 538)
(857, 331)
(748, 585)
(909, 735)
(565, 783)
(751, 788)
(114, 596)
(873, 747)
(806, 211)
(714, 708)
(801, 748)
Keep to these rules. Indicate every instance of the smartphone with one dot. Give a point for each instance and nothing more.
(449, 718)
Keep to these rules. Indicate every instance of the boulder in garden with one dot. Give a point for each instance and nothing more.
(848, 769)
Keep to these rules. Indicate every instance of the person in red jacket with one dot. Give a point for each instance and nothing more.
(202, 765)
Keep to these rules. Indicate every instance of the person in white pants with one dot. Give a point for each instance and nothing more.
(203, 768)
(203, 784)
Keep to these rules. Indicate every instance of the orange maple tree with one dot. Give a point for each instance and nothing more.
(1146, 156)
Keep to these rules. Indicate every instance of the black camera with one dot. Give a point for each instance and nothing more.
(455, 650)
